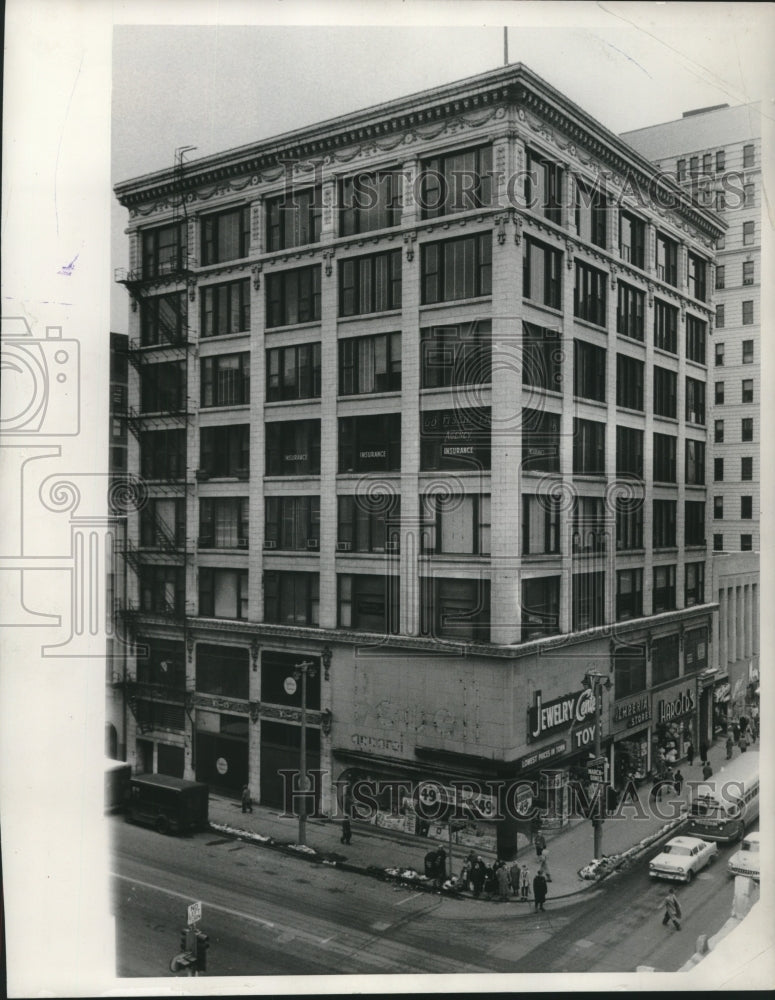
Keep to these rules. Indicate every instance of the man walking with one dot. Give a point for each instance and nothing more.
(539, 891)
(539, 843)
(247, 800)
(707, 770)
(672, 910)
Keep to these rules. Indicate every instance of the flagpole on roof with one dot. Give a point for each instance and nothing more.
(505, 46)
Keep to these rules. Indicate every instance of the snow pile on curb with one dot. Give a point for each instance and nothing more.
(236, 832)
(599, 868)
(301, 848)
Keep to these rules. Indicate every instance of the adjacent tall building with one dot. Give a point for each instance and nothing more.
(420, 398)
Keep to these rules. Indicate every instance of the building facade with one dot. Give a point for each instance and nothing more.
(420, 401)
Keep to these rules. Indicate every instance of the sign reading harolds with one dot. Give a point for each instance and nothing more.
(674, 703)
(572, 711)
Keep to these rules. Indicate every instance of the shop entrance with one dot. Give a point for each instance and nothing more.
(222, 757)
(170, 760)
(280, 749)
(145, 756)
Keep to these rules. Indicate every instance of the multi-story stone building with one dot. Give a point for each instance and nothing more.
(420, 401)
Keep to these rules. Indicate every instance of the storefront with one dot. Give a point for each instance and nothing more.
(221, 718)
(630, 728)
(722, 692)
(673, 713)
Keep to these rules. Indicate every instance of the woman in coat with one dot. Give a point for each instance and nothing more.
(477, 876)
(543, 867)
(539, 891)
(524, 883)
(502, 875)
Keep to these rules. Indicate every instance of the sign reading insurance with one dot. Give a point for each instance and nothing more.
(569, 711)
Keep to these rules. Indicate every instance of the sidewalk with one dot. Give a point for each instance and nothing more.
(374, 849)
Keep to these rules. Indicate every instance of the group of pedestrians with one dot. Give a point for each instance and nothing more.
(504, 882)
(741, 733)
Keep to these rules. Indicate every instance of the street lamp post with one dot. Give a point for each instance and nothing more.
(302, 671)
(595, 680)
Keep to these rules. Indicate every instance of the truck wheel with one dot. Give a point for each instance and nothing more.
(162, 824)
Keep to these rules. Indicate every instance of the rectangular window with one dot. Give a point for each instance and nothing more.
(680, 172)
(368, 603)
(540, 441)
(748, 312)
(226, 235)
(163, 387)
(162, 590)
(629, 594)
(225, 309)
(746, 543)
(748, 155)
(589, 294)
(663, 595)
(667, 259)
(370, 364)
(456, 269)
(369, 523)
(589, 370)
(590, 531)
(632, 239)
(665, 389)
(720, 316)
(588, 447)
(163, 524)
(292, 523)
(276, 667)
(540, 607)
(746, 508)
(591, 210)
(629, 451)
(543, 186)
(370, 443)
(721, 201)
(163, 319)
(718, 508)
(718, 543)
(293, 448)
(163, 454)
(748, 233)
(719, 393)
(456, 609)
(695, 401)
(629, 382)
(629, 671)
(718, 435)
(369, 201)
(455, 439)
(694, 584)
(165, 249)
(542, 273)
(223, 523)
(457, 182)
(746, 469)
(165, 663)
(706, 163)
(456, 355)
(223, 593)
(720, 276)
(664, 524)
(541, 357)
(291, 598)
(719, 355)
(370, 284)
(223, 670)
(293, 372)
(225, 450)
(456, 524)
(293, 296)
(664, 458)
(718, 470)
(696, 331)
(588, 601)
(694, 517)
(540, 524)
(697, 269)
(629, 311)
(747, 391)
(749, 195)
(629, 524)
(665, 327)
(720, 160)
(293, 219)
(747, 429)
(748, 274)
(664, 655)
(694, 165)
(225, 379)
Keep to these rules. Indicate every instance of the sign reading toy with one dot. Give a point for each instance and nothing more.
(563, 713)
(675, 703)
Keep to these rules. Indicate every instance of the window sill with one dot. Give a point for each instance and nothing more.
(223, 549)
(452, 557)
(310, 324)
(668, 420)
(362, 556)
(600, 404)
(591, 477)
(219, 338)
(291, 476)
(665, 354)
(542, 307)
(368, 316)
(293, 553)
(280, 403)
(451, 303)
(225, 408)
(631, 340)
(597, 327)
(541, 557)
(630, 552)
(667, 550)
(701, 365)
(631, 410)
(355, 396)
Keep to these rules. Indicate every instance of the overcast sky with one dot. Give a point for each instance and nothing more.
(220, 86)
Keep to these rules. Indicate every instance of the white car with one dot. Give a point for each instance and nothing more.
(682, 857)
(746, 860)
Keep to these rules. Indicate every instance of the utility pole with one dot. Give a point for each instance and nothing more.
(301, 671)
(595, 680)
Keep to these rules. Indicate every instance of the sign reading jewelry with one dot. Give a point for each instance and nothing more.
(570, 712)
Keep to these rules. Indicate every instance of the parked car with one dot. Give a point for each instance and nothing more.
(170, 805)
(746, 860)
(682, 857)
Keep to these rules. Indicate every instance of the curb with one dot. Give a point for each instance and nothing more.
(615, 862)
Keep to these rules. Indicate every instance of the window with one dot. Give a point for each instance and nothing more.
(541, 357)
(589, 294)
(293, 372)
(664, 524)
(293, 448)
(223, 593)
(370, 364)
(748, 276)
(629, 671)
(664, 458)
(542, 273)
(164, 249)
(163, 319)
(667, 259)
(694, 584)
(540, 524)
(721, 201)
(368, 603)
(632, 239)
(719, 393)
(223, 523)
(370, 284)
(720, 316)
(370, 443)
(225, 380)
(589, 370)
(720, 160)
(591, 209)
(720, 276)
(226, 235)
(455, 439)
(694, 165)
(694, 517)
(697, 269)
(292, 523)
(746, 543)
(695, 401)
(721, 242)
(275, 668)
(163, 387)
(680, 172)
(629, 311)
(747, 390)
(543, 186)
(369, 201)
(718, 434)
(540, 607)
(291, 598)
(718, 543)
(226, 308)
(663, 595)
(719, 355)
(695, 339)
(629, 594)
(456, 609)
(665, 388)
(748, 233)
(293, 219)
(163, 454)
(162, 589)
(369, 523)
(665, 327)
(629, 382)
(456, 355)
(540, 441)
(590, 531)
(588, 447)
(629, 524)
(163, 524)
(223, 670)
(456, 269)
(718, 508)
(457, 523)
(749, 195)
(747, 429)
(695, 463)
(293, 296)
(664, 657)
(718, 470)
(748, 312)
(629, 452)
(746, 468)
(457, 182)
(706, 163)
(225, 450)
(746, 508)
(165, 663)
(588, 609)
(748, 156)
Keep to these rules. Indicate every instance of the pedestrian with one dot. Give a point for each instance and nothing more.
(707, 770)
(441, 867)
(503, 882)
(672, 910)
(543, 867)
(524, 883)
(743, 743)
(514, 874)
(678, 782)
(736, 731)
(540, 843)
(690, 753)
(346, 831)
(743, 725)
(490, 882)
(729, 745)
(754, 730)
(539, 891)
(535, 826)
(703, 752)
(478, 872)
(247, 801)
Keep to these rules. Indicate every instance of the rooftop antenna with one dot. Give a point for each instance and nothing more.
(505, 46)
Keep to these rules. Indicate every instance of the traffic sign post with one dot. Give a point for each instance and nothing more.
(193, 945)
(194, 914)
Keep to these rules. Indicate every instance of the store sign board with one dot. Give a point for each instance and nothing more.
(538, 757)
(567, 712)
(674, 703)
(631, 713)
